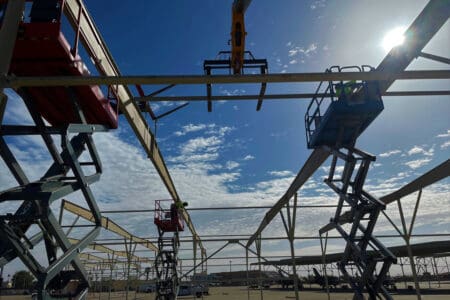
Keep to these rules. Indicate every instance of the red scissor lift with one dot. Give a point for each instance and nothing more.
(42, 50)
(167, 218)
(73, 114)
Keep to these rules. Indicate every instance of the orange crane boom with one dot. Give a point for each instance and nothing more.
(238, 34)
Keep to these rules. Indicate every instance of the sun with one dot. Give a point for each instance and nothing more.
(394, 38)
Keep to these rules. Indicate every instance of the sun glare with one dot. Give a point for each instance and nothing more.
(394, 38)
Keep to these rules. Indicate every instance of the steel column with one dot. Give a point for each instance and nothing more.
(410, 254)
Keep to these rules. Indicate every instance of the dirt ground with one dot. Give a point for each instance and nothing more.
(238, 293)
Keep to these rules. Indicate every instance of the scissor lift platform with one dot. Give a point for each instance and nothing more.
(167, 218)
(41, 49)
(340, 111)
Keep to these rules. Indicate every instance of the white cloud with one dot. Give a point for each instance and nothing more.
(445, 145)
(421, 150)
(312, 48)
(205, 157)
(191, 128)
(317, 4)
(16, 111)
(220, 130)
(389, 153)
(233, 92)
(230, 165)
(249, 157)
(293, 62)
(201, 144)
(444, 135)
(415, 164)
(284, 173)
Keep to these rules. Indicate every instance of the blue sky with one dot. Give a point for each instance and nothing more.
(236, 156)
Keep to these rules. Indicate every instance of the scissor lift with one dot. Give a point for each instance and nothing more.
(71, 115)
(168, 220)
(334, 120)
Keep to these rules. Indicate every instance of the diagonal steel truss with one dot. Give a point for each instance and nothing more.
(66, 175)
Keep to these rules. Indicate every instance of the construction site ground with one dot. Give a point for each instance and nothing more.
(240, 292)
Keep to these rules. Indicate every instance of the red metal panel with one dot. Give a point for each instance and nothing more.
(42, 50)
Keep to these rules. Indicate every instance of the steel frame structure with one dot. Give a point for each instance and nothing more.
(429, 22)
(37, 197)
(436, 174)
(130, 242)
(360, 236)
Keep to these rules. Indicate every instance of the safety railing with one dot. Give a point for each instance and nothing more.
(330, 91)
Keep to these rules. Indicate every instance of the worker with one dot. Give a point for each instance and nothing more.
(176, 208)
(345, 89)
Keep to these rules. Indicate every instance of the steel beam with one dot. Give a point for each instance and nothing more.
(105, 64)
(106, 223)
(417, 36)
(122, 81)
(8, 33)
(102, 248)
(434, 175)
(315, 160)
(296, 96)
(424, 27)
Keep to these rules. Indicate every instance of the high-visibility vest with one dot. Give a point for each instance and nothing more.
(345, 88)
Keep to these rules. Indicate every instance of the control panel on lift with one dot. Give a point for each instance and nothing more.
(168, 216)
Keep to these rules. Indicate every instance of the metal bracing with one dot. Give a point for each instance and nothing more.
(424, 27)
(96, 47)
(101, 248)
(106, 223)
(406, 235)
(362, 216)
(315, 160)
(273, 238)
(37, 197)
(289, 227)
(8, 34)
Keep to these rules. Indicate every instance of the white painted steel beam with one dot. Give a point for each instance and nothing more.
(104, 62)
(117, 79)
(107, 224)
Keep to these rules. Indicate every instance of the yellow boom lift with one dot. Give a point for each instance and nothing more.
(237, 59)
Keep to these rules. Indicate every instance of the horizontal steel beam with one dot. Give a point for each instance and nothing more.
(16, 82)
(214, 208)
(281, 96)
(275, 238)
(106, 223)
